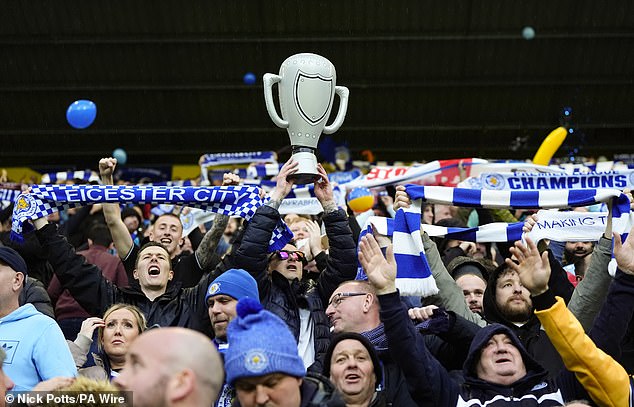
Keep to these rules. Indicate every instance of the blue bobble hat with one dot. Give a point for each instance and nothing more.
(260, 344)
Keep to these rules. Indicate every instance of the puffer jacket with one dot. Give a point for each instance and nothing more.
(283, 298)
(184, 307)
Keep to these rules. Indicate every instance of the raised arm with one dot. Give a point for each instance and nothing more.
(590, 293)
(601, 376)
(112, 212)
(207, 247)
(84, 280)
(449, 295)
(252, 255)
(428, 381)
(341, 264)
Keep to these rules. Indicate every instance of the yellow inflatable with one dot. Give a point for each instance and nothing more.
(549, 146)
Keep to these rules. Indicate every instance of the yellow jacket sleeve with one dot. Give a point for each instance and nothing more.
(605, 380)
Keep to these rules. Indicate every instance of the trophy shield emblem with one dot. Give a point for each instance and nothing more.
(313, 96)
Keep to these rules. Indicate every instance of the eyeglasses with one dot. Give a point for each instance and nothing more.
(296, 255)
(337, 298)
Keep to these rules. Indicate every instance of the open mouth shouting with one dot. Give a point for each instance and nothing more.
(154, 270)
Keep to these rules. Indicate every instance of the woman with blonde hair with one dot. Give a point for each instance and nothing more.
(119, 327)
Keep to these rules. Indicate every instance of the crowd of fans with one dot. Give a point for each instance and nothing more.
(116, 293)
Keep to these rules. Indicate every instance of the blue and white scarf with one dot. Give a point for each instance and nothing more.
(210, 160)
(87, 175)
(301, 199)
(539, 181)
(540, 199)
(413, 274)
(230, 200)
(255, 171)
(570, 226)
(9, 194)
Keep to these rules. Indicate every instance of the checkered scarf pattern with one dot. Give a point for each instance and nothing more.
(230, 200)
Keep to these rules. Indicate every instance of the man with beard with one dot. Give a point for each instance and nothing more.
(222, 298)
(508, 302)
(577, 257)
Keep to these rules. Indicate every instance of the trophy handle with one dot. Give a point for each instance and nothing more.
(343, 93)
(269, 80)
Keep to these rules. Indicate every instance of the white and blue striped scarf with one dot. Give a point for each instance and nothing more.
(492, 232)
(413, 274)
(246, 157)
(86, 175)
(539, 181)
(230, 200)
(9, 194)
(539, 199)
(405, 229)
(255, 171)
(301, 199)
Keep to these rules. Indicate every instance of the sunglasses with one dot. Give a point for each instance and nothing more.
(296, 255)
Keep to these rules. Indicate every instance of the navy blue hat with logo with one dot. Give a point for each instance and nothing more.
(13, 260)
(260, 344)
(235, 283)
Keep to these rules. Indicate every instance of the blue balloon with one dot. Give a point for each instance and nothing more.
(249, 78)
(120, 155)
(81, 113)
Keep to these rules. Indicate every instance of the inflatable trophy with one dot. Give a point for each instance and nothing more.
(307, 87)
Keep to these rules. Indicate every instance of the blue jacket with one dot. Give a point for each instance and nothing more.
(426, 377)
(36, 348)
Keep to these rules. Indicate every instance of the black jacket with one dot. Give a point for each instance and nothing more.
(284, 299)
(184, 307)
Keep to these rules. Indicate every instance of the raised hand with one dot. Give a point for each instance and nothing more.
(533, 268)
(421, 313)
(624, 252)
(314, 241)
(529, 223)
(106, 169)
(229, 178)
(89, 325)
(283, 186)
(380, 271)
(323, 187)
(401, 199)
